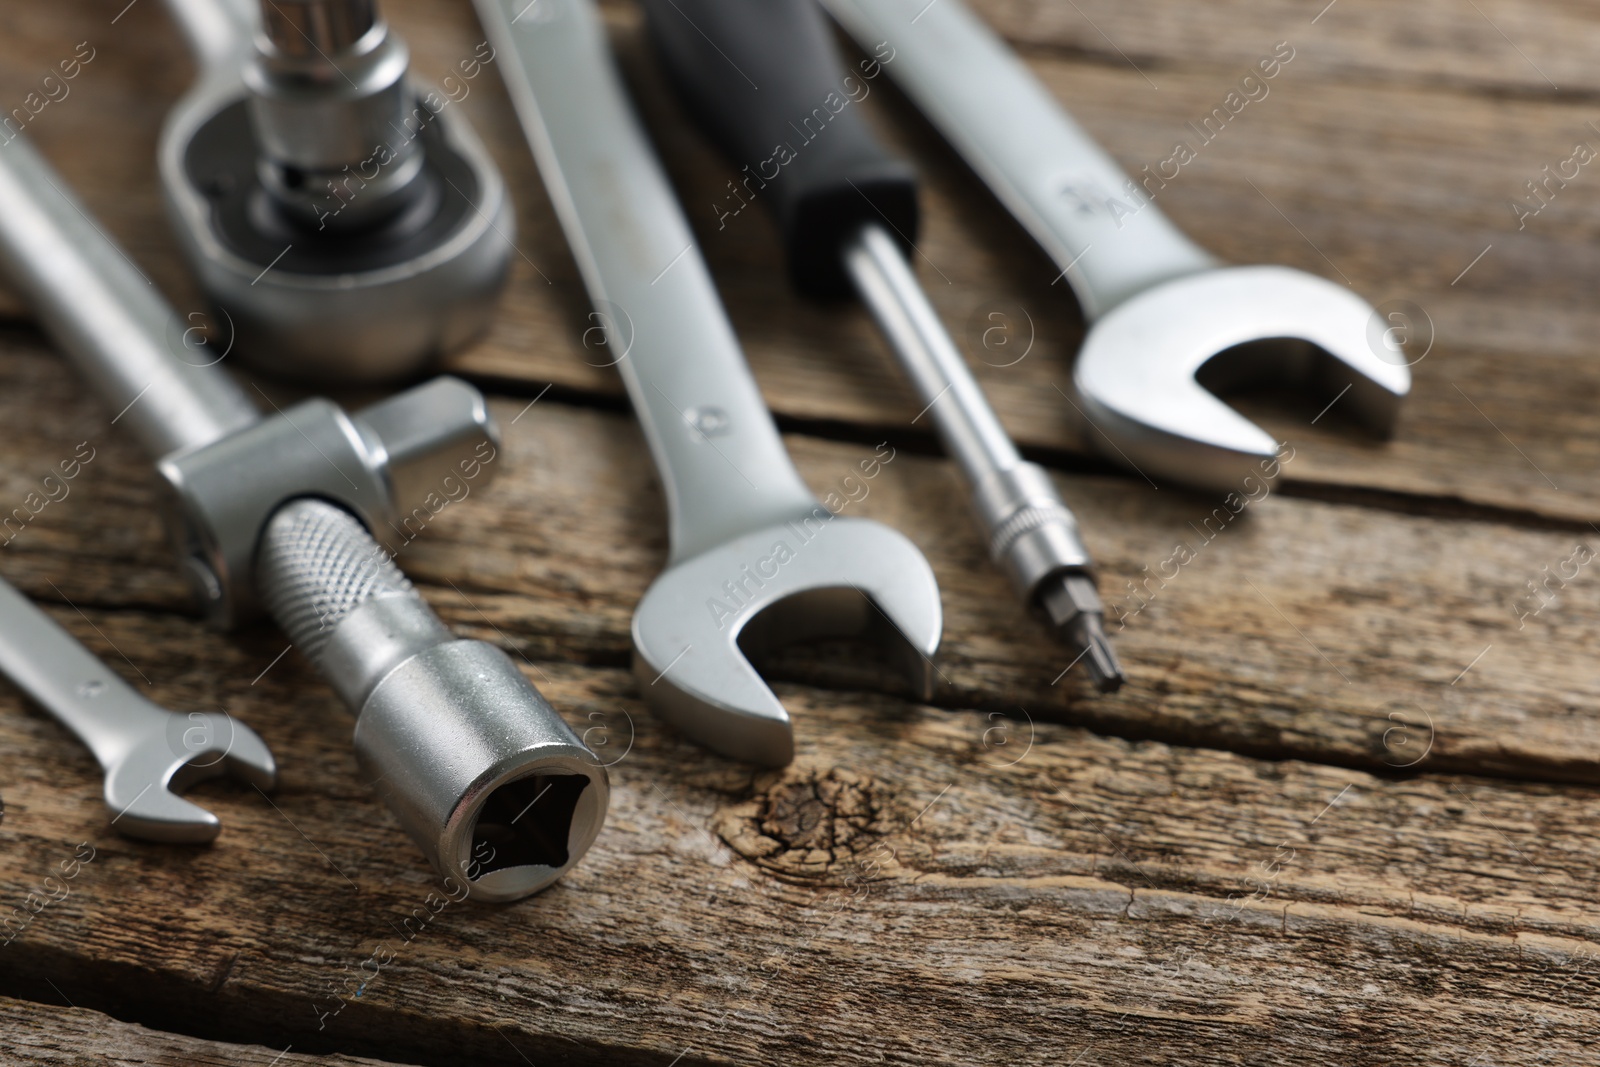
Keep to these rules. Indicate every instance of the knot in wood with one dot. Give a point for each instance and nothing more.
(809, 825)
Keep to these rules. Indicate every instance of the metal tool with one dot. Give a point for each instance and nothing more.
(755, 559)
(279, 512)
(1161, 307)
(753, 76)
(345, 220)
(149, 754)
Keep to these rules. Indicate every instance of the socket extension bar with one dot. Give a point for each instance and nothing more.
(495, 788)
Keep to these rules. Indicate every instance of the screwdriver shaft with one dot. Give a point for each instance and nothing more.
(961, 414)
(1031, 533)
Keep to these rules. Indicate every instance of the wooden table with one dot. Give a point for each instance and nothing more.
(1345, 811)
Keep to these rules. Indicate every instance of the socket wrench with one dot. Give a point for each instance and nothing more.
(279, 512)
(345, 220)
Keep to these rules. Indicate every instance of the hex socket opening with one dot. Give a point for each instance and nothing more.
(480, 770)
(526, 822)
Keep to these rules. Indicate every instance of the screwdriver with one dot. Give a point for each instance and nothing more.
(764, 81)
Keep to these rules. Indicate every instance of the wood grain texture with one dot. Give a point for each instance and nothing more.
(1075, 890)
(1344, 812)
(74, 1037)
(898, 894)
(1495, 46)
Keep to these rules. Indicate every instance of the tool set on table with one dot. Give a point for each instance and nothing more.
(277, 514)
(349, 227)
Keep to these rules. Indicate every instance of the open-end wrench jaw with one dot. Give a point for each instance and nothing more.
(149, 755)
(819, 576)
(143, 789)
(1141, 368)
(1160, 306)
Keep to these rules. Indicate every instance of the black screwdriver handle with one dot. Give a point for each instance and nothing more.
(764, 80)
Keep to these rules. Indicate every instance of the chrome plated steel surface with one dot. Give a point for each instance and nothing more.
(1032, 534)
(149, 754)
(270, 511)
(1160, 306)
(344, 219)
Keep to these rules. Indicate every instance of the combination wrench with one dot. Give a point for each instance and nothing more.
(755, 559)
(1161, 308)
(149, 755)
(278, 513)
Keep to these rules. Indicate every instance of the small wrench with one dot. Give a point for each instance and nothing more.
(149, 754)
(756, 560)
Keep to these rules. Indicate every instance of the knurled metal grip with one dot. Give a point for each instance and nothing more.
(1032, 535)
(314, 572)
(382, 464)
(481, 771)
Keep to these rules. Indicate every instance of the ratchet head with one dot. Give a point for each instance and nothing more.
(143, 785)
(818, 576)
(345, 222)
(1137, 372)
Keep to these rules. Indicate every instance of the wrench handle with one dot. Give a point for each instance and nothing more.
(722, 463)
(108, 316)
(217, 30)
(67, 680)
(1100, 227)
(765, 82)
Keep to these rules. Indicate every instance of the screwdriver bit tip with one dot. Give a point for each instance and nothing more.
(1074, 607)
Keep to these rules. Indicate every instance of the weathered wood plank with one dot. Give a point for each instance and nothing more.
(32, 1033)
(971, 882)
(1399, 186)
(919, 886)
(1486, 46)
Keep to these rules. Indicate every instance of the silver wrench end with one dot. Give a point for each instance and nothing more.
(823, 576)
(143, 788)
(1137, 370)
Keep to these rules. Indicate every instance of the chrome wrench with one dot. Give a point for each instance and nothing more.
(149, 754)
(848, 211)
(748, 538)
(1160, 306)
